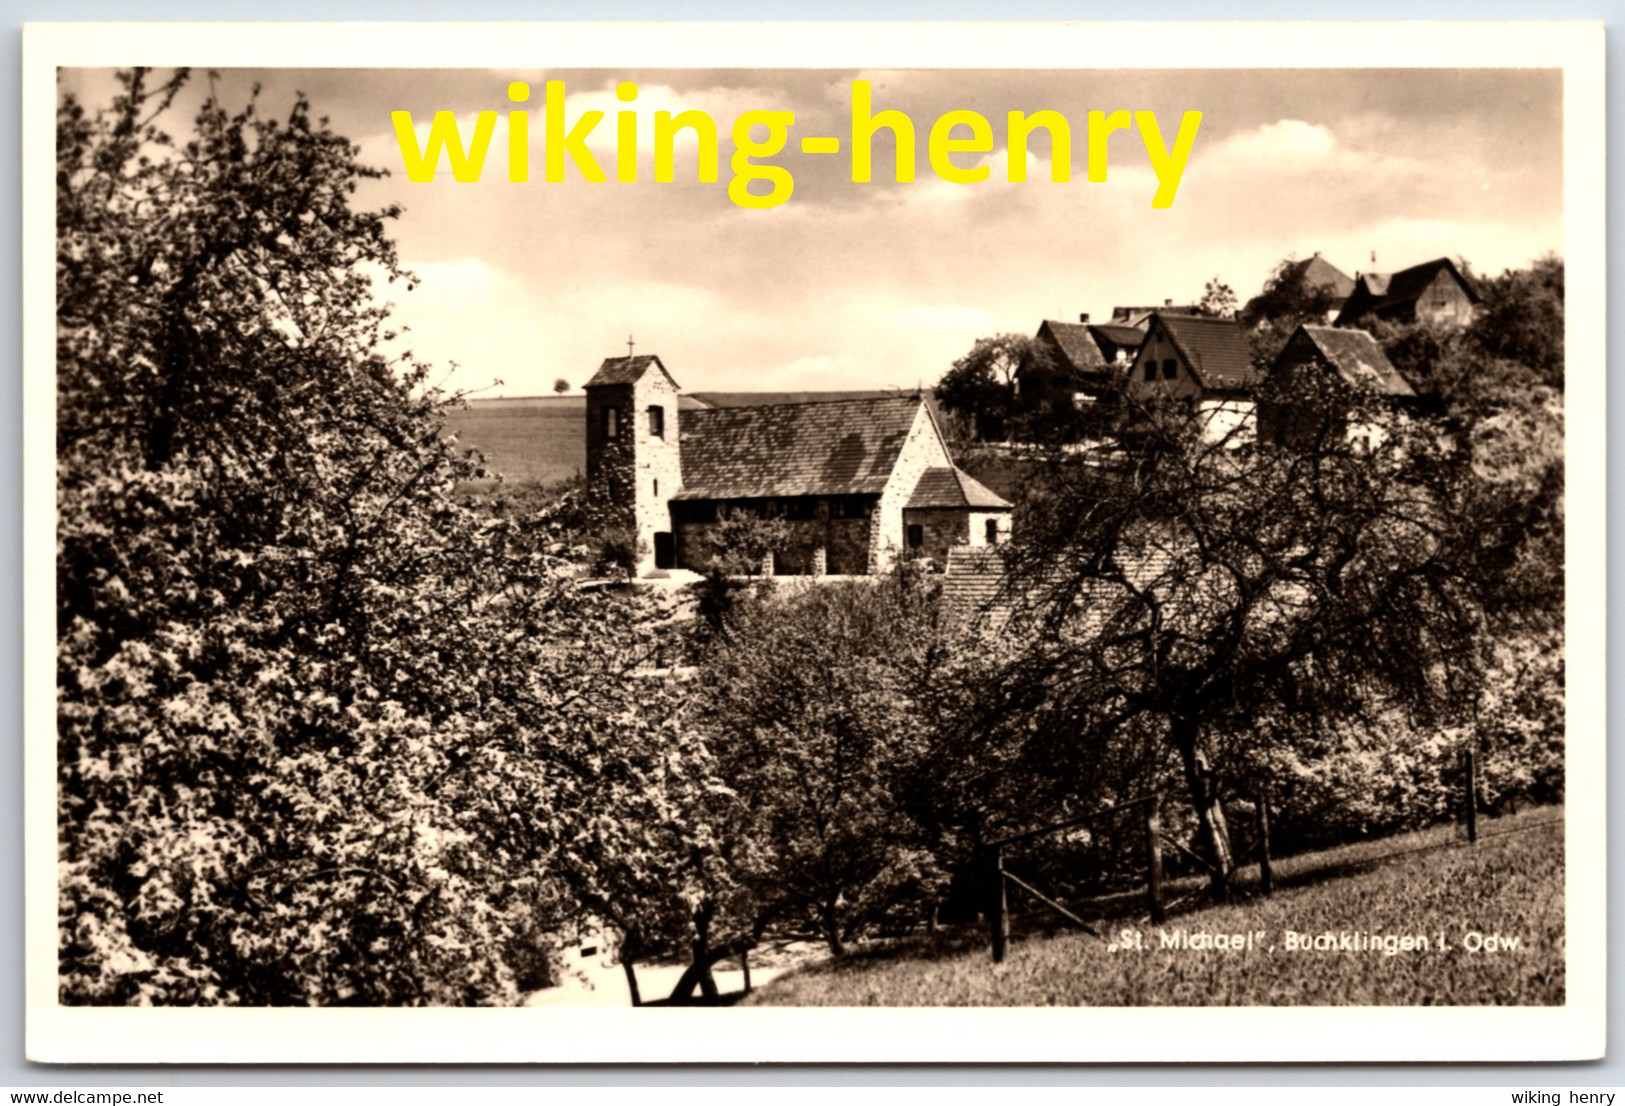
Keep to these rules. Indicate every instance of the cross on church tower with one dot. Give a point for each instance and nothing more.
(629, 345)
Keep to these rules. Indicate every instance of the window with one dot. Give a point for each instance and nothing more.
(1150, 371)
(612, 422)
(916, 536)
(1170, 369)
(657, 422)
(993, 531)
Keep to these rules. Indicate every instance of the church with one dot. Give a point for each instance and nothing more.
(858, 482)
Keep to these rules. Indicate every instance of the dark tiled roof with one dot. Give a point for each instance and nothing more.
(625, 370)
(841, 448)
(974, 585)
(1320, 273)
(1381, 293)
(1076, 344)
(1116, 332)
(1357, 357)
(949, 487)
(1134, 316)
(978, 585)
(775, 399)
(1216, 350)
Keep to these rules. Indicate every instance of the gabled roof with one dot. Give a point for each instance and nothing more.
(1076, 344)
(1355, 355)
(1215, 349)
(840, 448)
(1320, 273)
(1119, 333)
(1378, 293)
(949, 487)
(1138, 316)
(626, 370)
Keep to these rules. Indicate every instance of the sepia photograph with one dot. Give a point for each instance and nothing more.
(699, 534)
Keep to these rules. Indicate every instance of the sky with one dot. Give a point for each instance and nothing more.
(884, 284)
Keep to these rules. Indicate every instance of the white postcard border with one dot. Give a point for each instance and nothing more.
(1574, 1031)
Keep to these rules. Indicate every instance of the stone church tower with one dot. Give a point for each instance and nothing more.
(634, 458)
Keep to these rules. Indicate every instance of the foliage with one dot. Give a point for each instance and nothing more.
(1286, 302)
(1218, 300)
(325, 735)
(1509, 884)
(1521, 318)
(1218, 603)
(982, 384)
(561, 385)
(813, 723)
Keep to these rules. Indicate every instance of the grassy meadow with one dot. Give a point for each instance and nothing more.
(542, 439)
(1426, 885)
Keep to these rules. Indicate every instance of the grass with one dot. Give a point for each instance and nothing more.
(542, 440)
(1429, 884)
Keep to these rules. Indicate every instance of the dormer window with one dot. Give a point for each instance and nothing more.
(612, 422)
(657, 422)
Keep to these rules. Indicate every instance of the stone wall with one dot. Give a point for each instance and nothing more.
(922, 449)
(978, 526)
(844, 543)
(658, 468)
(610, 464)
(941, 528)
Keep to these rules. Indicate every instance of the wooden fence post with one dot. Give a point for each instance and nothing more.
(997, 908)
(1266, 877)
(1472, 794)
(1153, 859)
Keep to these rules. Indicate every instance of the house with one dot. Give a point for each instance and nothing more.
(1138, 317)
(1317, 272)
(1205, 360)
(858, 482)
(1310, 380)
(1433, 292)
(1077, 372)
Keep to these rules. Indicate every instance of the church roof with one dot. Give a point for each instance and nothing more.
(841, 448)
(1216, 350)
(949, 487)
(625, 370)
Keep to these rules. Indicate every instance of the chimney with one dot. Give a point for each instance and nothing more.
(1083, 317)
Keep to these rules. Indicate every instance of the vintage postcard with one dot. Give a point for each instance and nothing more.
(833, 542)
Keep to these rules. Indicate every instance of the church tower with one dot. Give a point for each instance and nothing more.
(634, 458)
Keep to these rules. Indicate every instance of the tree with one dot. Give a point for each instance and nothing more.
(325, 734)
(561, 385)
(1287, 301)
(811, 718)
(1226, 605)
(982, 384)
(1521, 318)
(1218, 300)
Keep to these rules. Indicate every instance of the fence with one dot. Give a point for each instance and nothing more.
(999, 877)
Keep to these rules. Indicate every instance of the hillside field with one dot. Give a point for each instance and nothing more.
(1427, 885)
(541, 439)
